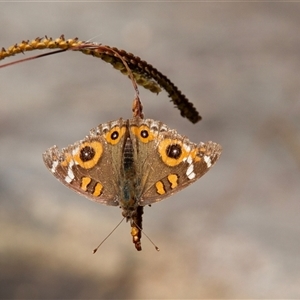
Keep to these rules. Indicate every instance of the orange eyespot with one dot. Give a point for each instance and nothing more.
(172, 152)
(88, 154)
(115, 134)
(143, 133)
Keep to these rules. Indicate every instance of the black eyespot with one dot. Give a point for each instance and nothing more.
(144, 134)
(87, 153)
(174, 151)
(114, 135)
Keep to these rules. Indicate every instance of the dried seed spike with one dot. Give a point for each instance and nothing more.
(137, 108)
(181, 102)
(33, 43)
(144, 73)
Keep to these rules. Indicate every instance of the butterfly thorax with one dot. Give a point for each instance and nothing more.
(128, 185)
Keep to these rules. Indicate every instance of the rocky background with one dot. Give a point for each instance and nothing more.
(233, 234)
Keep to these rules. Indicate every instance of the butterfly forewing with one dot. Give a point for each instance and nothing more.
(91, 166)
(166, 161)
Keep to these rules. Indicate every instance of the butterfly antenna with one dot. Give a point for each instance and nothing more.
(96, 249)
(156, 248)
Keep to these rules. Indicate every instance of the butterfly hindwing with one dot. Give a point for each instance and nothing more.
(91, 166)
(167, 161)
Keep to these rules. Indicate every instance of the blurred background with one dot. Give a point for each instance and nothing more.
(233, 234)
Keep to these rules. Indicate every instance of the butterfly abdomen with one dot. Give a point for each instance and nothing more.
(128, 161)
(128, 183)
